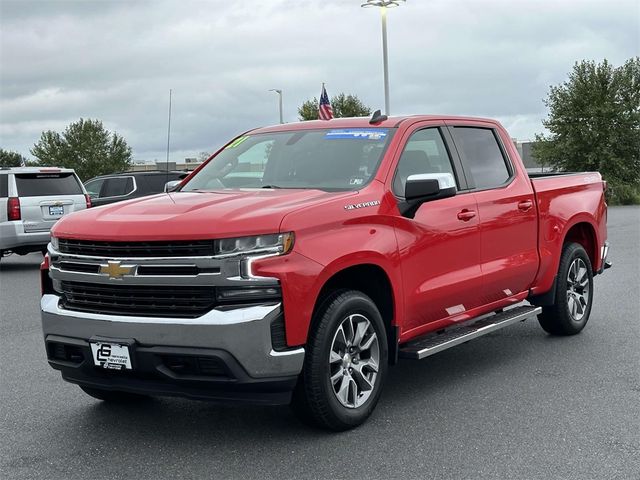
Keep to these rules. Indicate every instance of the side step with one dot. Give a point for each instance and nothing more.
(436, 342)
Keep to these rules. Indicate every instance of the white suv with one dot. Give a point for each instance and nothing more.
(32, 199)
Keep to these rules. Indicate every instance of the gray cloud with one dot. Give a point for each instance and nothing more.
(116, 60)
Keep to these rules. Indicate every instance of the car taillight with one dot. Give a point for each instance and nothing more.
(88, 199)
(13, 209)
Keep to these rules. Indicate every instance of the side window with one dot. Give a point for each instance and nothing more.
(425, 152)
(4, 186)
(93, 187)
(116, 187)
(482, 156)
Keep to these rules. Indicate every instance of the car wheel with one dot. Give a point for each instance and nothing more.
(574, 294)
(345, 363)
(113, 396)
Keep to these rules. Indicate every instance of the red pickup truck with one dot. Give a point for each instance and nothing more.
(301, 260)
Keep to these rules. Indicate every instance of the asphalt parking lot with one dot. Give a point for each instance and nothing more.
(515, 404)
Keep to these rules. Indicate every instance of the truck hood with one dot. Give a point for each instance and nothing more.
(190, 215)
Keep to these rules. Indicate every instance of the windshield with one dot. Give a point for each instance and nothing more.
(329, 159)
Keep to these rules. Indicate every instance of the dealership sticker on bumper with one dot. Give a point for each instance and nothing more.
(111, 356)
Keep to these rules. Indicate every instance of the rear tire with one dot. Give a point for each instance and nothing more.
(345, 363)
(113, 396)
(574, 294)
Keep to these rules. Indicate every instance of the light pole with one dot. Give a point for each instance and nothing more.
(384, 4)
(279, 92)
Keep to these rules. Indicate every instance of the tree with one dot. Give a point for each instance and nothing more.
(86, 146)
(11, 159)
(594, 124)
(342, 105)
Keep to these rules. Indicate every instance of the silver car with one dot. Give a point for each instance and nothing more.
(32, 199)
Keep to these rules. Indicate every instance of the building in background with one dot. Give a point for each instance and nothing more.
(188, 164)
(524, 148)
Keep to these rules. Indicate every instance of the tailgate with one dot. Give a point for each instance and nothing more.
(46, 197)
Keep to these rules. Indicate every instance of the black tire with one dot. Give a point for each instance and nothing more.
(113, 396)
(319, 400)
(565, 316)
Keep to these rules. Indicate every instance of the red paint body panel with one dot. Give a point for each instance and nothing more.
(441, 269)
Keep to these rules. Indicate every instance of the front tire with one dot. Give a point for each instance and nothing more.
(574, 294)
(345, 363)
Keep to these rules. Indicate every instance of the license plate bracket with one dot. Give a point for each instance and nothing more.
(111, 354)
(56, 210)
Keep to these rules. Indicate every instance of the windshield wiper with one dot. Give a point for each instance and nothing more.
(270, 186)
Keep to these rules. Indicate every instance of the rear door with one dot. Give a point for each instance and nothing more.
(507, 211)
(46, 196)
(440, 246)
(115, 189)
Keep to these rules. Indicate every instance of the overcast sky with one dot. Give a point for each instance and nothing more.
(115, 60)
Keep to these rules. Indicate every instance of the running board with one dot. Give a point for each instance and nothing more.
(436, 342)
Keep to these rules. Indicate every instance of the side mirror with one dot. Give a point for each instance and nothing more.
(425, 188)
(429, 186)
(172, 185)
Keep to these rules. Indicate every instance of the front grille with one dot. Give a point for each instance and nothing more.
(155, 301)
(200, 248)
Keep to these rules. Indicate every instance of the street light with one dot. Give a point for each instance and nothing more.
(384, 4)
(279, 92)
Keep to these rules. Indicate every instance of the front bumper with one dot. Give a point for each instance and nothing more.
(223, 355)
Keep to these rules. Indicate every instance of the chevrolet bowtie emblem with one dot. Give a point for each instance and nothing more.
(115, 270)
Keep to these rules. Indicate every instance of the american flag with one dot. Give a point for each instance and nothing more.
(325, 112)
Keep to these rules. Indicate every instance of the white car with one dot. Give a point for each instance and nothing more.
(32, 199)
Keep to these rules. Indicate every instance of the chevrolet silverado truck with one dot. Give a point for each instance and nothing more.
(301, 260)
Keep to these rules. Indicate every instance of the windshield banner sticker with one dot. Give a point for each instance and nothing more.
(372, 203)
(236, 142)
(357, 133)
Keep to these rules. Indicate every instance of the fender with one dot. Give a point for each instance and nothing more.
(553, 234)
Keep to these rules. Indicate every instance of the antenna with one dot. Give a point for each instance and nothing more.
(377, 117)
(168, 137)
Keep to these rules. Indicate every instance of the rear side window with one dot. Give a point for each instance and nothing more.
(46, 184)
(116, 186)
(482, 156)
(156, 183)
(4, 186)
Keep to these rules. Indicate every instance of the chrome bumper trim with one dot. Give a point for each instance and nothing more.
(49, 304)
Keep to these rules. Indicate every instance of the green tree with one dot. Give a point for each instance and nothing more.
(342, 105)
(11, 159)
(86, 146)
(594, 124)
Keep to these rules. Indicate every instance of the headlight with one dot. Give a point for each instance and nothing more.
(54, 243)
(277, 244)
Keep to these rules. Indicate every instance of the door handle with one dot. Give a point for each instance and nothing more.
(466, 215)
(525, 205)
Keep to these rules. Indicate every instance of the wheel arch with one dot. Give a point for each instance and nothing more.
(584, 233)
(372, 280)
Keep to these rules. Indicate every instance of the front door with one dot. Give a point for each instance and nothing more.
(440, 246)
